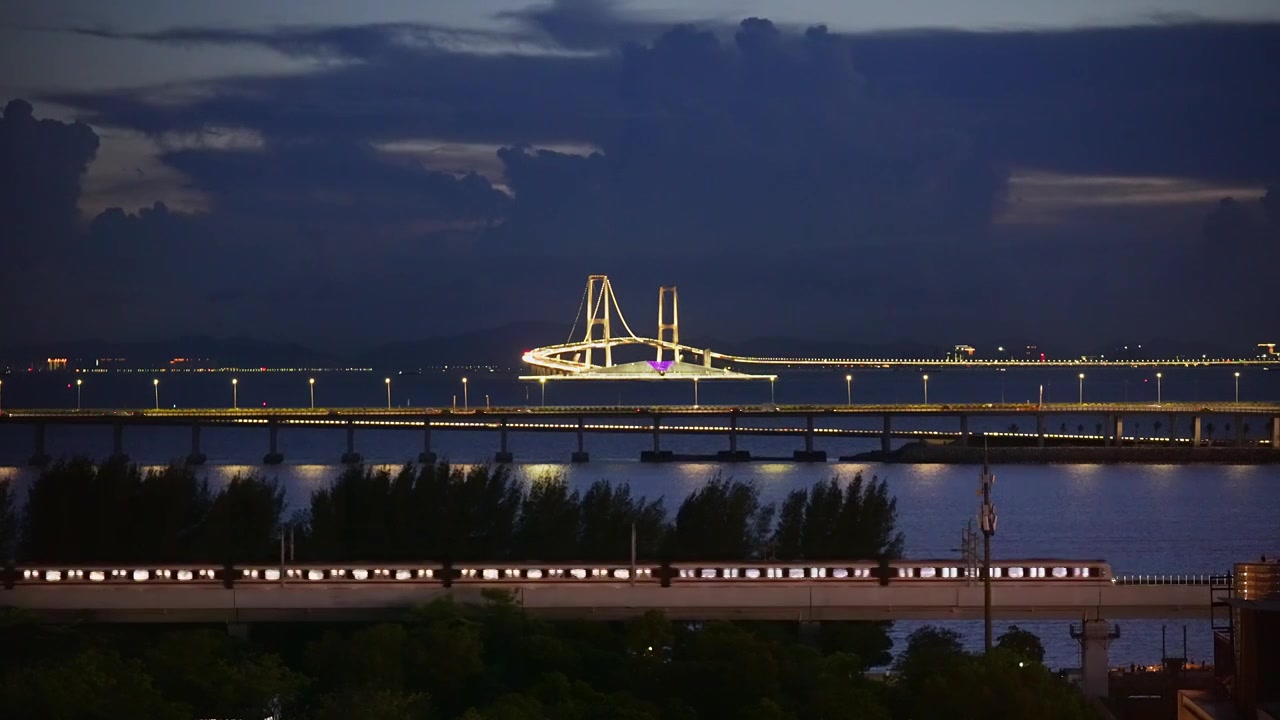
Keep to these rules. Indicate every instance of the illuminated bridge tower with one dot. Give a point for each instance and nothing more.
(673, 326)
(599, 301)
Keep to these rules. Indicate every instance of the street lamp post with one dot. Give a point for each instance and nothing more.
(543, 382)
(465, 404)
(1158, 377)
(695, 392)
(848, 389)
(1237, 388)
(1081, 388)
(155, 384)
(1, 395)
(772, 398)
(80, 382)
(388, 382)
(235, 393)
(926, 389)
(311, 382)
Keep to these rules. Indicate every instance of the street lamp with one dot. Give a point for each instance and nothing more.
(80, 382)
(388, 382)
(1237, 388)
(926, 389)
(1158, 376)
(848, 389)
(155, 383)
(312, 383)
(1081, 388)
(543, 382)
(235, 393)
(772, 399)
(464, 394)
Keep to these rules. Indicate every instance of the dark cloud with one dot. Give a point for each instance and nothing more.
(586, 24)
(41, 162)
(770, 139)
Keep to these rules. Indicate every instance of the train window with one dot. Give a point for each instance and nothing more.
(775, 572)
(1037, 572)
(403, 574)
(311, 574)
(534, 574)
(184, 575)
(426, 573)
(840, 573)
(928, 572)
(622, 574)
(995, 572)
(1015, 572)
(53, 575)
(751, 573)
(904, 572)
(578, 573)
(97, 576)
(489, 574)
(360, 574)
(707, 573)
(795, 573)
(140, 575)
(1059, 572)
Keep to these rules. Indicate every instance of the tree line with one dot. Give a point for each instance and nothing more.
(493, 662)
(79, 512)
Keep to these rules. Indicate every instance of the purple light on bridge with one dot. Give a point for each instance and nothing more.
(662, 366)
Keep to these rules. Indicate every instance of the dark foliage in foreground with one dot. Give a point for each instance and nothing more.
(481, 663)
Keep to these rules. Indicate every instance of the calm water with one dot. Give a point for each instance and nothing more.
(1141, 519)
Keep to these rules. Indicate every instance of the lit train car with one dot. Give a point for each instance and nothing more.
(476, 573)
(118, 575)
(1004, 570)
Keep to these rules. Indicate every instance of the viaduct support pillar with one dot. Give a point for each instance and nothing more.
(351, 457)
(1040, 430)
(581, 455)
(40, 458)
(1239, 431)
(1119, 431)
(1195, 431)
(1095, 638)
(426, 457)
(503, 455)
(964, 431)
(117, 444)
(809, 454)
(885, 444)
(1173, 429)
(196, 457)
(657, 454)
(1275, 433)
(733, 454)
(273, 456)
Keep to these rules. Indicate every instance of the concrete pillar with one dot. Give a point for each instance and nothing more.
(885, 445)
(351, 457)
(503, 455)
(1195, 431)
(1039, 429)
(39, 458)
(196, 457)
(1173, 429)
(1095, 638)
(1275, 433)
(117, 443)
(964, 431)
(1240, 431)
(581, 455)
(809, 454)
(808, 434)
(1119, 431)
(733, 433)
(657, 445)
(273, 456)
(706, 358)
(426, 457)
(657, 454)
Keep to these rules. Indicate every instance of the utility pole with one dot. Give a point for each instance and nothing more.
(987, 522)
(633, 554)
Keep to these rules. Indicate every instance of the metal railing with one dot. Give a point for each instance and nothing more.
(1193, 579)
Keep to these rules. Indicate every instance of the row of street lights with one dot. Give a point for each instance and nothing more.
(848, 380)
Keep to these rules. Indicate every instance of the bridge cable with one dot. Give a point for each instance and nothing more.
(581, 304)
(618, 308)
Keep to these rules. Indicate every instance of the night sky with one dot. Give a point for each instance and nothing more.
(337, 173)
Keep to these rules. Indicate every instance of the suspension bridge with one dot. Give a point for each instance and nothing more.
(591, 355)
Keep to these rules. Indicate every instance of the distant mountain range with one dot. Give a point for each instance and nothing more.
(503, 346)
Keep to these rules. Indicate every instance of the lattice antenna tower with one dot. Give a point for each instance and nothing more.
(674, 326)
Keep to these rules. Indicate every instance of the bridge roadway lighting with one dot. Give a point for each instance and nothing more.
(848, 389)
(235, 394)
(464, 394)
(155, 383)
(1158, 376)
(80, 382)
(1237, 388)
(926, 389)
(388, 382)
(543, 382)
(312, 383)
(1081, 388)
